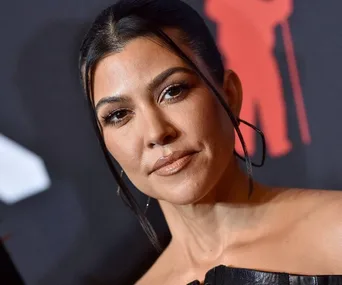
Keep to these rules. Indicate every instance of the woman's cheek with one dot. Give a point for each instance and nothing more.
(114, 147)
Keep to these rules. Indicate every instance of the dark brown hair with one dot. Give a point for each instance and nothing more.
(130, 19)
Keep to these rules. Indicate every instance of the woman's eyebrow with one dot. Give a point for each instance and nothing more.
(155, 83)
(160, 78)
(111, 99)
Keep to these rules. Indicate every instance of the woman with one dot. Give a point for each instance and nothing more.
(166, 110)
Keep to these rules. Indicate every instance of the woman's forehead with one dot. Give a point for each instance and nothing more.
(140, 54)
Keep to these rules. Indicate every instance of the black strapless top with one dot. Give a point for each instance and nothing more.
(223, 275)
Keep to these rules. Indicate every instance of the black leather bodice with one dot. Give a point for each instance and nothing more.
(223, 275)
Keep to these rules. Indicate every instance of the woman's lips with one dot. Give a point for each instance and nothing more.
(173, 163)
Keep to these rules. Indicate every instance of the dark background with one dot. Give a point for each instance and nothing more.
(78, 231)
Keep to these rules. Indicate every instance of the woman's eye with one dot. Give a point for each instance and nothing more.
(116, 117)
(173, 92)
(120, 114)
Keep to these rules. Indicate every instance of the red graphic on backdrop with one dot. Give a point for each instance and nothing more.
(246, 36)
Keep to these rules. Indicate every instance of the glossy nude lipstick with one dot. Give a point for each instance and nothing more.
(173, 163)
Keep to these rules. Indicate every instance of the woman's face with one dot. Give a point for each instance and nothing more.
(161, 123)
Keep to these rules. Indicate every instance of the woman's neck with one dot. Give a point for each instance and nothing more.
(224, 218)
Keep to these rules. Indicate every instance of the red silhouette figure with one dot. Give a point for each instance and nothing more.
(246, 38)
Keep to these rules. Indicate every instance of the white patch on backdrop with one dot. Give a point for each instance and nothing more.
(22, 172)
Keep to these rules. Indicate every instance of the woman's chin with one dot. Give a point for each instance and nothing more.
(184, 194)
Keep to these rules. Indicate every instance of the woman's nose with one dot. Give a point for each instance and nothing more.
(158, 130)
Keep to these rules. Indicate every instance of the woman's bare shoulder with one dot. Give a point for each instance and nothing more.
(327, 207)
(321, 223)
(317, 206)
(321, 199)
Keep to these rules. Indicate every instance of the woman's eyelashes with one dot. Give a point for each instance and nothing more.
(174, 92)
(171, 94)
(116, 117)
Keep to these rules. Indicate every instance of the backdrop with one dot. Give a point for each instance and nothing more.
(60, 218)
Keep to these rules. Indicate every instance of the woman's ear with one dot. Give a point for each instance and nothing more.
(233, 91)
